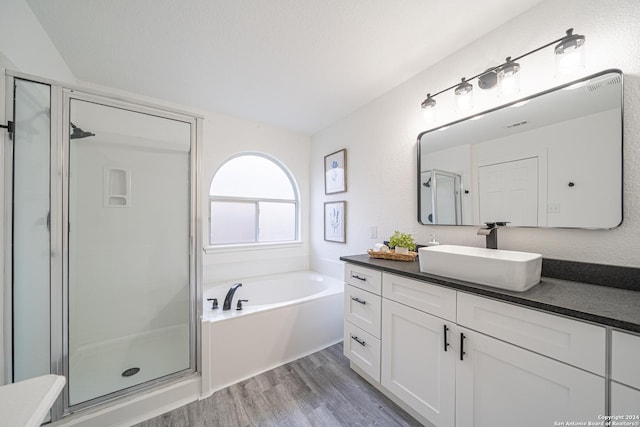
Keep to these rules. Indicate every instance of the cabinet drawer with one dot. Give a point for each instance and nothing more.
(363, 349)
(363, 278)
(362, 308)
(576, 343)
(423, 296)
(625, 354)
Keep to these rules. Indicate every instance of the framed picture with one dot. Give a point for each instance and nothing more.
(334, 221)
(335, 172)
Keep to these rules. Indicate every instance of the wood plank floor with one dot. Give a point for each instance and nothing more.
(317, 390)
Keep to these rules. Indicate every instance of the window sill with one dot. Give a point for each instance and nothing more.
(251, 247)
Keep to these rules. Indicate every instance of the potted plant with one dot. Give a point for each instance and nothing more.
(402, 242)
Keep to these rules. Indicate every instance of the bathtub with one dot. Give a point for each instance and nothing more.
(287, 316)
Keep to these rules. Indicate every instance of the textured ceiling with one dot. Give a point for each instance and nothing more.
(297, 64)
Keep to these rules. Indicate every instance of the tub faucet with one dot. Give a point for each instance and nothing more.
(491, 232)
(229, 297)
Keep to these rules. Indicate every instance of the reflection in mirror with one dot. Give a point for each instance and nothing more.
(551, 160)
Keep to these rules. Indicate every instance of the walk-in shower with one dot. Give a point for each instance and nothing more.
(100, 206)
(441, 195)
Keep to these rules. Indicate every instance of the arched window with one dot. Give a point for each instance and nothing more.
(252, 199)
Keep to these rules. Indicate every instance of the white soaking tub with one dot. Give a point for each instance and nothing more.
(288, 316)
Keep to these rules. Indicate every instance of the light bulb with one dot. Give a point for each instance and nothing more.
(464, 95)
(570, 53)
(429, 109)
(509, 78)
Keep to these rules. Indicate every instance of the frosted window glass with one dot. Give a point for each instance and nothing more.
(252, 176)
(253, 199)
(277, 222)
(235, 222)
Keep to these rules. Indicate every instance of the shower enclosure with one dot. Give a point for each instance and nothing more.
(100, 209)
(441, 197)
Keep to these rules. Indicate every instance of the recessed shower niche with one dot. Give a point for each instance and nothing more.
(117, 187)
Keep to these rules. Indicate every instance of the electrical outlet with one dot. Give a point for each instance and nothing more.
(373, 231)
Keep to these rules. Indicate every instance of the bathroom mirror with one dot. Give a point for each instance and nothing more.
(550, 160)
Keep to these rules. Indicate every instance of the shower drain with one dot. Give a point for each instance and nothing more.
(130, 372)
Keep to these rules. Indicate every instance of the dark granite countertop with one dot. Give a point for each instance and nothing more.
(609, 306)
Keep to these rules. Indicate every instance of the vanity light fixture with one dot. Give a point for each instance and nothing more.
(464, 95)
(428, 109)
(569, 53)
(509, 78)
(488, 79)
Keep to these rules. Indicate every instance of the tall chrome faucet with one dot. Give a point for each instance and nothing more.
(229, 297)
(491, 232)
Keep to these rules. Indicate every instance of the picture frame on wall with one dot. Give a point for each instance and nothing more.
(335, 172)
(335, 221)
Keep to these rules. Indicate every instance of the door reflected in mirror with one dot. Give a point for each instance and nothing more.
(551, 160)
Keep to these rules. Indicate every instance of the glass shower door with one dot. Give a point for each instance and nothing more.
(30, 255)
(129, 292)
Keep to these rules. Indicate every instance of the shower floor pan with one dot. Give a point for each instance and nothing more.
(100, 369)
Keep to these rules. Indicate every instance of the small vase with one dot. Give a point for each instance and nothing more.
(402, 251)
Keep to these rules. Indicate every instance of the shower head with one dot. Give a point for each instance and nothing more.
(79, 133)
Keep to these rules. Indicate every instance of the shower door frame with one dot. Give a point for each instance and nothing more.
(61, 94)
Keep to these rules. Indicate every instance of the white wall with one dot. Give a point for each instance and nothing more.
(225, 136)
(27, 46)
(381, 138)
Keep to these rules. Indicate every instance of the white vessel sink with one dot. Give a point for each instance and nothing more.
(511, 270)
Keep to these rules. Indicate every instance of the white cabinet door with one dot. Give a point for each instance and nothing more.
(500, 385)
(415, 366)
(625, 401)
(625, 353)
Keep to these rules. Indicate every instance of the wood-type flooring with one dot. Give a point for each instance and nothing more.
(317, 390)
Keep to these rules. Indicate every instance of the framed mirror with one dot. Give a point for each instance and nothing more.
(550, 160)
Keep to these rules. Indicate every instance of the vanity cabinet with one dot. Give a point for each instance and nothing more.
(499, 384)
(625, 375)
(415, 365)
(362, 311)
(462, 360)
(418, 360)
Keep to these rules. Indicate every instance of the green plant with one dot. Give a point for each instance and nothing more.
(403, 240)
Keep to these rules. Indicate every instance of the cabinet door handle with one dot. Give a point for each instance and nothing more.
(358, 340)
(356, 299)
(446, 344)
(462, 353)
(355, 276)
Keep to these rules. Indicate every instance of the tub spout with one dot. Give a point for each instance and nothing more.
(229, 298)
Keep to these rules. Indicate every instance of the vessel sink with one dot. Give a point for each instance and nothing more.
(511, 270)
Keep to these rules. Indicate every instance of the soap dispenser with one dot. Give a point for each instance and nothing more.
(433, 241)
